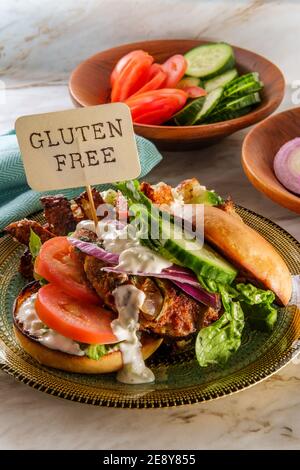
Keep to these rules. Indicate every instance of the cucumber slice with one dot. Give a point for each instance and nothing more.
(172, 242)
(242, 102)
(189, 81)
(210, 102)
(187, 115)
(209, 60)
(226, 115)
(248, 77)
(243, 88)
(203, 260)
(220, 80)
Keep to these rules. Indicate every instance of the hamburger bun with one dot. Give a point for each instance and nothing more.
(111, 362)
(246, 249)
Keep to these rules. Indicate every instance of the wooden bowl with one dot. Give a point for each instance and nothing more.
(89, 85)
(259, 149)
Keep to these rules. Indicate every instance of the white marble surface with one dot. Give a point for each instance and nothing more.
(39, 45)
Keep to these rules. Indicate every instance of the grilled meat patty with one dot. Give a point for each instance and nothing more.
(167, 311)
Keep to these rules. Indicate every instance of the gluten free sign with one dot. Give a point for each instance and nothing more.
(78, 147)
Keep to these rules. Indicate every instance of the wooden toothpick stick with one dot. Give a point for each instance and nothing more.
(92, 204)
(89, 190)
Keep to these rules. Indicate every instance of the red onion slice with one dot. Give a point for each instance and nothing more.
(182, 277)
(200, 294)
(287, 165)
(185, 282)
(94, 250)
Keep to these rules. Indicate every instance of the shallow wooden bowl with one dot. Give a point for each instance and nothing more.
(89, 85)
(259, 149)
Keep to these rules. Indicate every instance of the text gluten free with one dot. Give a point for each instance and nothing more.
(78, 147)
(97, 131)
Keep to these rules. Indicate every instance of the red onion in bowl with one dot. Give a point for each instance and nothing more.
(287, 165)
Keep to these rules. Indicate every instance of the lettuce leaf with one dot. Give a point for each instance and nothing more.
(258, 306)
(34, 244)
(95, 351)
(262, 316)
(253, 296)
(216, 343)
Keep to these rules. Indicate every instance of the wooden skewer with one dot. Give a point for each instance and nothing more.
(92, 205)
(89, 192)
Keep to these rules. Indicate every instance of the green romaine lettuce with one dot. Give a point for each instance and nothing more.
(216, 343)
(258, 306)
(34, 244)
(95, 351)
(252, 295)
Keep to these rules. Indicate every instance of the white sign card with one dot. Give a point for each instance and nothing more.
(78, 147)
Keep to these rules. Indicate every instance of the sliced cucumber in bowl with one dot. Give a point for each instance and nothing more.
(233, 108)
(210, 103)
(187, 115)
(242, 79)
(209, 60)
(242, 86)
(243, 102)
(226, 115)
(220, 80)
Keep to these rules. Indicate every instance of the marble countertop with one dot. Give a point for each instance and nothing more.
(38, 49)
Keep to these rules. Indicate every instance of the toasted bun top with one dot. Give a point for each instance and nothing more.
(248, 251)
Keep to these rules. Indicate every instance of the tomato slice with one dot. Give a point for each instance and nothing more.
(157, 106)
(132, 77)
(194, 91)
(175, 68)
(122, 63)
(57, 264)
(156, 79)
(74, 319)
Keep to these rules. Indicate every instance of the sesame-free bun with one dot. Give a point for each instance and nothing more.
(246, 249)
(111, 362)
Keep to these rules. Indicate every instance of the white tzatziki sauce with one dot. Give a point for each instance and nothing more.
(134, 257)
(128, 301)
(32, 324)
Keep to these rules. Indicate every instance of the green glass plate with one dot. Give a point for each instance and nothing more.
(179, 379)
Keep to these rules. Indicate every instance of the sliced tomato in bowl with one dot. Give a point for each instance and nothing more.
(58, 264)
(121, 64)
(74, 319)
(132, 76)
(175, 68)
(157, 106)
(156, 79)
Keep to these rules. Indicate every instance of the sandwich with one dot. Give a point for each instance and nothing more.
(103, 297)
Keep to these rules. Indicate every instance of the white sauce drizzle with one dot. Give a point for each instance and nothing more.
(32, 324)
(128, 301)
(134, 257)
